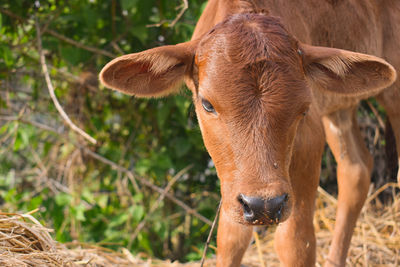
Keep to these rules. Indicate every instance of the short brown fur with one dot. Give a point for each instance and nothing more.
(277, 98)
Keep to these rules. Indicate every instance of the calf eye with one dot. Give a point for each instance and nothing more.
(207, 106)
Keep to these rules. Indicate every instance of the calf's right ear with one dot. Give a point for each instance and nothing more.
(152, 73)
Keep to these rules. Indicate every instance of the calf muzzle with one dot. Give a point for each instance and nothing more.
(258, 211)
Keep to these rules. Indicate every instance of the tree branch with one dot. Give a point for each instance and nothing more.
(210, 234)
(148, 184)
(61, 37)
(377, 115)
(33, 123)
(80, 45)
(51, 88)
(157, 203)
(184, 6)
(115, 166)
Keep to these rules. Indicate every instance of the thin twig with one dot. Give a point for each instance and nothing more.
(210, 234)
(11, 14)
(377, 115)
(116, 47)
(51, 88)
(380, 190)
(157, 203)
(80, 45)
(327, 195)
(61, 37)
(33, 123)
(148, 184)
(63, 73)
(124, 170)
(184, 7)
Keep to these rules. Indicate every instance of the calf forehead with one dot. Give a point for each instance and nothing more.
(250, 61)
(245, 39)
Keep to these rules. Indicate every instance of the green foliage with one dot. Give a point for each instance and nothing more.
(42, 164)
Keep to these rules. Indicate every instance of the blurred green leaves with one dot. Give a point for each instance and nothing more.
(81, 198)
(6, 55)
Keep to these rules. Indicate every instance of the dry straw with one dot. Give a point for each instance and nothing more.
(376, 240)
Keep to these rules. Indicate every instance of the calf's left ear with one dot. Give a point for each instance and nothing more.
(344, 72)
(152, 73)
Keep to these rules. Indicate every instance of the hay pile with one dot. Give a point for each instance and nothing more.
(376, 241)
(25, 242)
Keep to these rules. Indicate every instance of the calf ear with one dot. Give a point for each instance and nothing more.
(151, 73)
(346, 73)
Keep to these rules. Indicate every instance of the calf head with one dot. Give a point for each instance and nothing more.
(252, 84)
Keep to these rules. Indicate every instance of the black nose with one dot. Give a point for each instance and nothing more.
(263, 211)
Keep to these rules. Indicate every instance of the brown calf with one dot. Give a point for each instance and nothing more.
(266, 100)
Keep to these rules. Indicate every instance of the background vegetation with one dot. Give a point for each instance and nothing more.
(148, 183)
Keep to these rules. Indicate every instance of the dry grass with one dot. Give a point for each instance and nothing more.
(376, 241)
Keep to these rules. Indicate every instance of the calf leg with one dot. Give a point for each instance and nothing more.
(295, 241)
(390, 99)
(295, 238)
(232, 241)
(353, 175)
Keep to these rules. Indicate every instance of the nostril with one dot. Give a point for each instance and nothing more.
(276, 206)
(261, 210)
(247, 211)
(240, 199)
(279, 214)
(285, 198)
